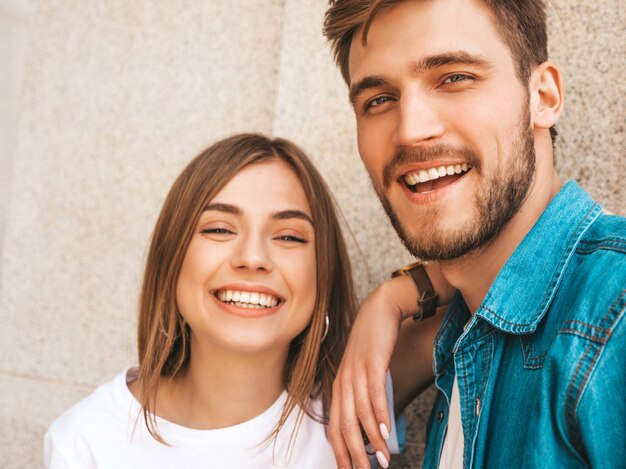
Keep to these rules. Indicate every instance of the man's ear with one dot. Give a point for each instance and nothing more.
(546, 95)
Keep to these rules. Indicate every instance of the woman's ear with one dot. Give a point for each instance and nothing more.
(546, 95)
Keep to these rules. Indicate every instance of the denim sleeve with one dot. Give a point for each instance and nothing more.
(601, 412)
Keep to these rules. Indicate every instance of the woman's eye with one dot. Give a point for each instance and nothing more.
(292, 239)
(216, 231)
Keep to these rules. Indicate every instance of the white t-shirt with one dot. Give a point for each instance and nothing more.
(106, 430)
(453, 444)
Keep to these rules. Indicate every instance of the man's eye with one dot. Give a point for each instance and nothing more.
(456, 78)
(378, 101)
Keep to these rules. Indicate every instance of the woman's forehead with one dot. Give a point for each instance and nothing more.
(264, 186)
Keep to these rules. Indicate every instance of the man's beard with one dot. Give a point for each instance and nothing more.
(497, 199)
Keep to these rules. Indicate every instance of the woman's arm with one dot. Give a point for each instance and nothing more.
(359, 388)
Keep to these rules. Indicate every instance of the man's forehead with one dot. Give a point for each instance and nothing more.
(421, 29)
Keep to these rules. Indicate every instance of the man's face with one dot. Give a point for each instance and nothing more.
(443, 124)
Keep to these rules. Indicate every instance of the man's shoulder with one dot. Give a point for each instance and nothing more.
(599, 267)
(607, 233)
(592, 295)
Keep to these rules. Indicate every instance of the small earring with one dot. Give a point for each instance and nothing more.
(327, 326)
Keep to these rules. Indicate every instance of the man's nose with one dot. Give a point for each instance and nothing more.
(252, 253)
(418, 122)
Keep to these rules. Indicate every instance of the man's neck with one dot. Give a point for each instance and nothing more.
(474, 273)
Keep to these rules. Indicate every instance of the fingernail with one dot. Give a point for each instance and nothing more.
(382, 460)
(383, 431)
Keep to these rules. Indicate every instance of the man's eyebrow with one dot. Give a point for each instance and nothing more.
(371, 81)
(423, 65)
(227, 208)
(287, 214)
(450, 58)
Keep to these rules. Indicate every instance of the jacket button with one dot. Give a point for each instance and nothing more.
(440, 416)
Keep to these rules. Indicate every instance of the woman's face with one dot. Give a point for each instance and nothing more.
(248, 279)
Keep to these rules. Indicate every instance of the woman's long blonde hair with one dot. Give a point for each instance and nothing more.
(163, 336)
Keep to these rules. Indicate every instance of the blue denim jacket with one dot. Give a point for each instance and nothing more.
(542, 364)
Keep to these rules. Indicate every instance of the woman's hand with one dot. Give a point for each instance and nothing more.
(359, 398)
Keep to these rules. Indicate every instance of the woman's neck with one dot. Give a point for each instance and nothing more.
(222, 388)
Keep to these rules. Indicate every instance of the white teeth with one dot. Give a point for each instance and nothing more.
(246, 299)
(435, 173)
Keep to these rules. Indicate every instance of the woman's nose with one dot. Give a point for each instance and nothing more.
(252, 254)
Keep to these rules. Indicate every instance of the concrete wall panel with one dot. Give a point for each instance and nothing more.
(28, 406)
(587, 42)
(117, 98)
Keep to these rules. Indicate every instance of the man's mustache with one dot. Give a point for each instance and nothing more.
(405, 156)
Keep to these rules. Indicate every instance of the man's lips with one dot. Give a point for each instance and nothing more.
(423, 179)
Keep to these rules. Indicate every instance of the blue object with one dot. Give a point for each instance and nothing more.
(542, 364)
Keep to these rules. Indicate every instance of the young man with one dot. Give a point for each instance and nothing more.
(455, 104)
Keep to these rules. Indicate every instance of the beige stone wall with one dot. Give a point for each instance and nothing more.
(102, 104)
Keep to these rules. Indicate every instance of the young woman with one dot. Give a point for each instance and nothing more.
(244, 312)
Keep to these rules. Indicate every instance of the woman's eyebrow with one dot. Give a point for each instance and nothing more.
(227, 208)
(286, 214)
(278, 215)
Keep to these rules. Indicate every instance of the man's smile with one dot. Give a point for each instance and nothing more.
(426, 180)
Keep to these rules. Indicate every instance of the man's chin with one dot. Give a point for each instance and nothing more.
(437, 252)
(441, 244)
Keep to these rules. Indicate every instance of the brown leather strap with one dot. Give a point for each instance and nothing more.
(427, 302)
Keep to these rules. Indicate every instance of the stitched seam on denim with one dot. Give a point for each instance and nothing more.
(485, 368)
(605, 247)
(599, 242)
(442, 330)
(605, 240)
(613, 308)
(602, 336)
(619, 311)
(531, 362)
(577, 399)
(486, 334)
(502, 319)
(467, 390)
(586, 324)
(597, 338)
(570, 415)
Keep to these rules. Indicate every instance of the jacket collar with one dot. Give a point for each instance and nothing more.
(523, 290)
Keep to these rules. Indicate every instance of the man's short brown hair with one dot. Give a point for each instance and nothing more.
(520, 23)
